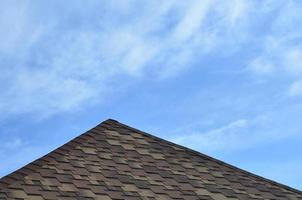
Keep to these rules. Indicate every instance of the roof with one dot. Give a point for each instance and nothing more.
(115, 161)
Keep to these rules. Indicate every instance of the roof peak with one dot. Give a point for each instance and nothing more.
(110, 120)
(113, 150)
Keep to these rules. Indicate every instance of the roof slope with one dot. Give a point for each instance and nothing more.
(114, 161)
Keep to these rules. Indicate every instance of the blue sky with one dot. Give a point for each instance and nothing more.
(221, 77)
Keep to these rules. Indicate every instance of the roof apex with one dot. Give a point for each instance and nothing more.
(115, 153)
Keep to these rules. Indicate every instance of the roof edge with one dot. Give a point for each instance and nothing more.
(33, 165)
(209, 157)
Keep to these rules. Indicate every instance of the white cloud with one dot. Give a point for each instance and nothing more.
(281, 54)
(191, 22)
(280, 59)
(295, 89)
(265, 128)
(293, 61)
(12, 26)
(56, 63)
(237, 9)
(261, 66)
(228, 137)
(11, 144)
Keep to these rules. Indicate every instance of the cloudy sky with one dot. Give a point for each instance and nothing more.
(221, 77)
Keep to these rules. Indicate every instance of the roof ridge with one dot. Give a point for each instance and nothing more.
(275, 183)
(105, 125)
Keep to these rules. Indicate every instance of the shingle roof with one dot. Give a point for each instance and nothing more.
(114, 161)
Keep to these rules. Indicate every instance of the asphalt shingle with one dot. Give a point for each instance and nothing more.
(115, 161)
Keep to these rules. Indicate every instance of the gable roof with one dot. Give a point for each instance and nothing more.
(115, 161)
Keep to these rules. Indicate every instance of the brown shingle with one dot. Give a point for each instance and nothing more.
(113, 161)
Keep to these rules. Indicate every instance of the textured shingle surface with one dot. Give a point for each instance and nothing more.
(114, 161)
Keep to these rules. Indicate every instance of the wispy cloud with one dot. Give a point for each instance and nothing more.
(265, 128)
(231, 68)
(295, 89)
(281, 54)
(216, 139)
(191, 21)
(55, 63)
(11, 144)
(59, 61)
